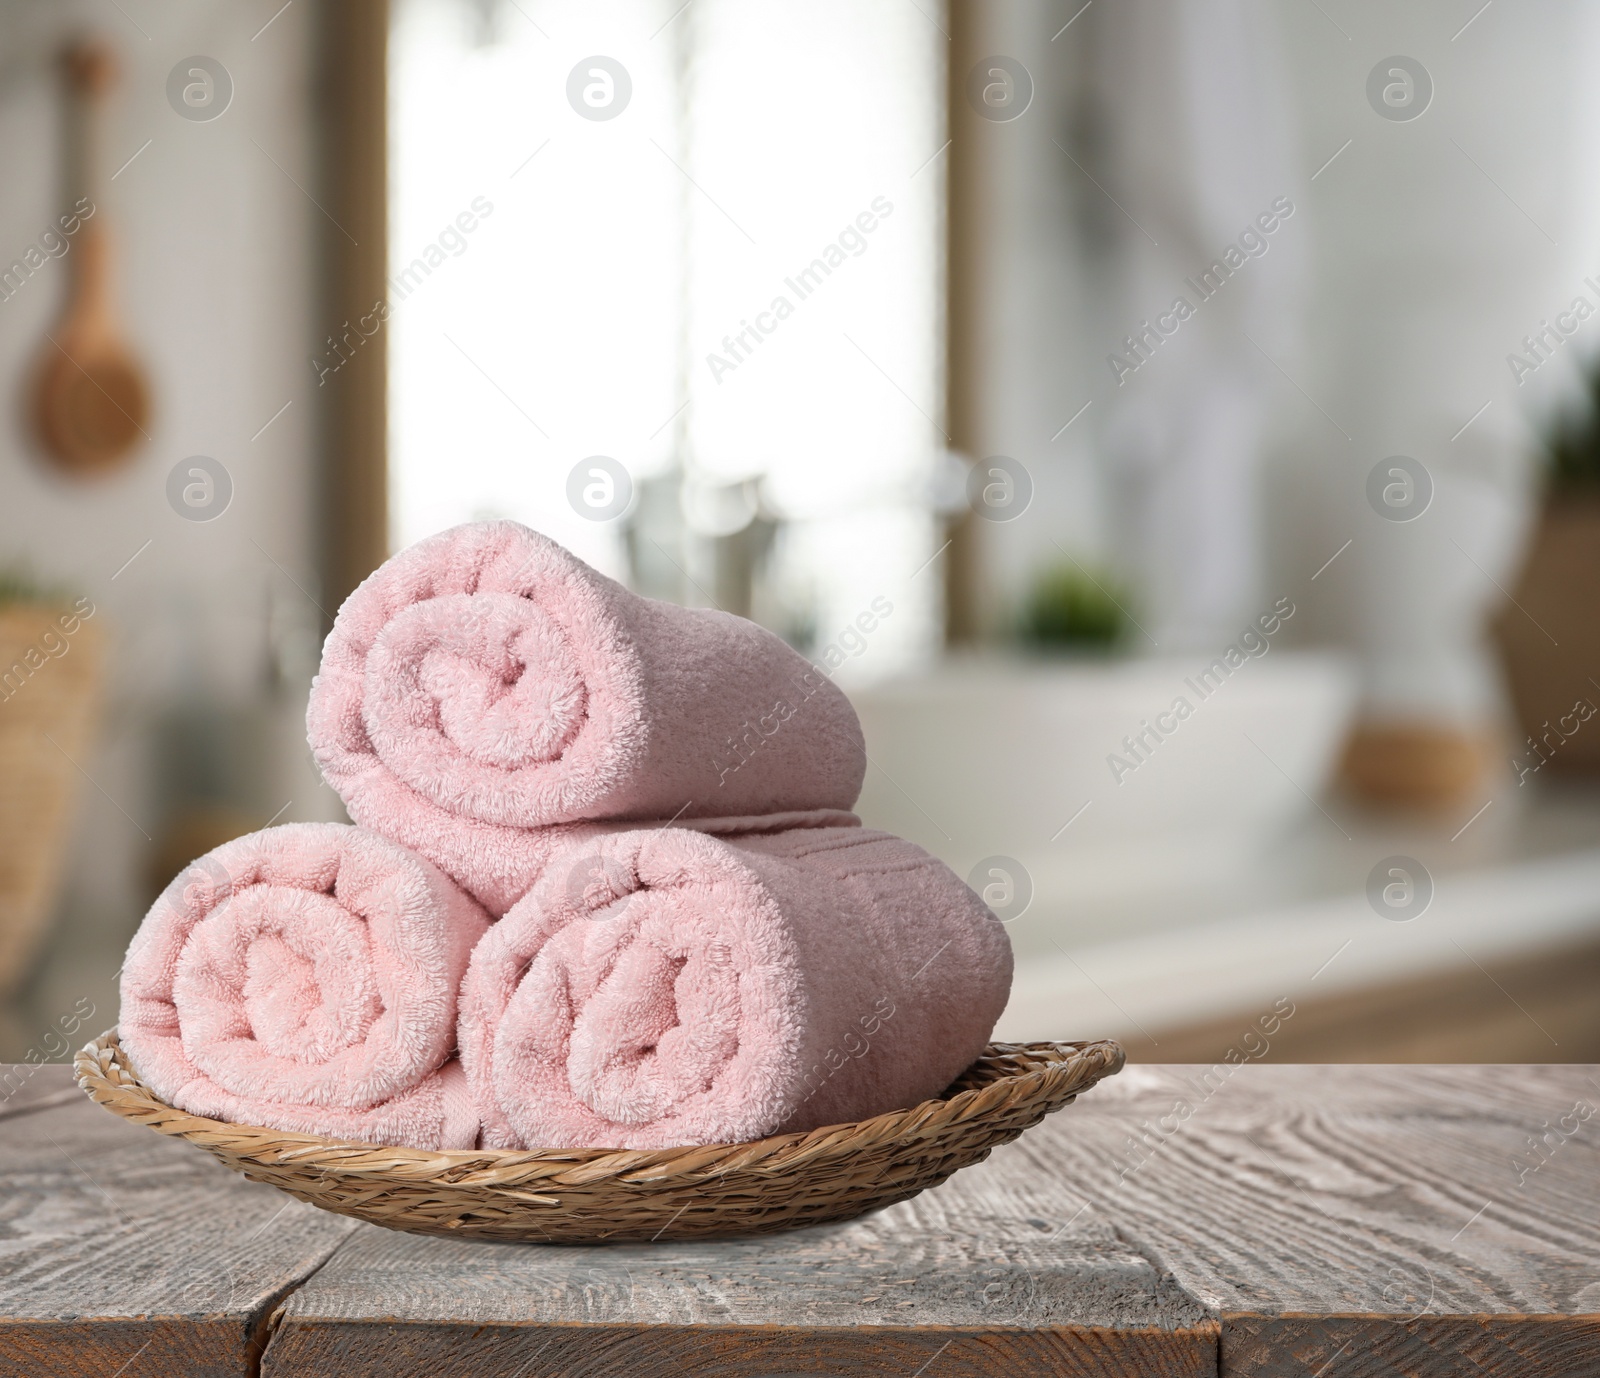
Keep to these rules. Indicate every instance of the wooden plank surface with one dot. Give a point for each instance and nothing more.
(1320, 1222)
(25, 1088)
(458, 1350)
(1357, 1221)
(122, 1252)
(967, 1272)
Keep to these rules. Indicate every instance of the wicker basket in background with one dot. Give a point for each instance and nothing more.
(49, 691)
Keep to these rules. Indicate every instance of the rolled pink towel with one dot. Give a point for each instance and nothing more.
(667, 987)
(305, 978)
(485, 681)
(497, 866)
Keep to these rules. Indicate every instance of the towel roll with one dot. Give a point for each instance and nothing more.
(666, 987)
(305, 978)
(485, 682)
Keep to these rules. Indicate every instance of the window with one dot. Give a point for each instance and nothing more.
(733, 287)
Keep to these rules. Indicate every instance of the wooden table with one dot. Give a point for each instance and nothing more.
(1340, 1222)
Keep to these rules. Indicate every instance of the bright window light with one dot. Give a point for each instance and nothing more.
(738, 277)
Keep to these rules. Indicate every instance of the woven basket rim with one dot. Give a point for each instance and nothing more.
(1046, 1070)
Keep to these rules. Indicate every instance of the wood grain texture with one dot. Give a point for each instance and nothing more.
(123, 1252)
(1401, 1210)
(937, 1260)
(970, 1265)
(26, 1087)
(1381, 1347)
(391, 1350)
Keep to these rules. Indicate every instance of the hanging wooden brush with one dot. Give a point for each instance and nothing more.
(91, 403)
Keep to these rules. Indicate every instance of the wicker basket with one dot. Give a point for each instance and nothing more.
(49, 687)
(571, 1196)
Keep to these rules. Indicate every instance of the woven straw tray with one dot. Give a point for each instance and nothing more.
(571, 1196)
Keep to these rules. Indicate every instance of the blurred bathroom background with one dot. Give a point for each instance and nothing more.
(1172, 421)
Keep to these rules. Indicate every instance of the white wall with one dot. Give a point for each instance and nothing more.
(1432, 246)
(214, 273)
(1439, 243)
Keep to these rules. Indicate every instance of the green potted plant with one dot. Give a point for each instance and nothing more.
(1068, 608)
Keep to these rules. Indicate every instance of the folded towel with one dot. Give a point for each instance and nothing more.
(487, 680)
(305, 978)
(666, 987)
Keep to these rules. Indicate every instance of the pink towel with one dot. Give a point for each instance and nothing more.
(497, 866)
(665, 987)
(305, 978)
(485, 681)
